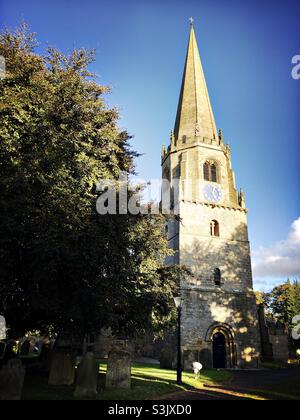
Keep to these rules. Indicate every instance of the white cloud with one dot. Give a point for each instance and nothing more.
(280, 260)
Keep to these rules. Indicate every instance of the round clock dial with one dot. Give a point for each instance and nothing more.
(212, 193)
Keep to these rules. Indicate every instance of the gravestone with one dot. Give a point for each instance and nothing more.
(118, 375)
(167, 358)
(205, 358)
(62, 371)
(189, 357)
(87, 377)
(12, 380)
(45, 357)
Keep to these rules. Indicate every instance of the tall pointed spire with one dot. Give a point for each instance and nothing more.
(194, 113)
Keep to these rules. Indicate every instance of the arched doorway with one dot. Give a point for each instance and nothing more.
(219, 351)
(224, 351)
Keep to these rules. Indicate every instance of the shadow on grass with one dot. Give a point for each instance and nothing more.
(148, 382)
(36, 388)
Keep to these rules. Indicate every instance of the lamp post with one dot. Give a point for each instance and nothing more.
(177, 301)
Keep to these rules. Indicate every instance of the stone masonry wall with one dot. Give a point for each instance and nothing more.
(203, 310)
(202, 253)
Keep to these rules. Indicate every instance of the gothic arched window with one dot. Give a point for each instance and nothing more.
(214, 228)
(217, 277)
(206, 171)
(210, 172)
(213, 173)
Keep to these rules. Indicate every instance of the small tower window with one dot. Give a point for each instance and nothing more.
(213, 171)
(206, 171)
(214, 228)
(217, 277)
(210, 172)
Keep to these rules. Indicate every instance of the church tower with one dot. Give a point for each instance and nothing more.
(209, 234)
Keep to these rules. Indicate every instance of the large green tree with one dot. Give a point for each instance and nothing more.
(63, 267)
(283, 302)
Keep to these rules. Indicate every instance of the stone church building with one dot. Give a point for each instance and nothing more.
(210, 235)
(221, 324)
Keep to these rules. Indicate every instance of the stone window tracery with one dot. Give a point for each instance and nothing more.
(210, 171)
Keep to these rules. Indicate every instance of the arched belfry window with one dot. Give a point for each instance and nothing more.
(217, 277)
(206, 171)
(210, 172)
(213, 173)
(214, 228)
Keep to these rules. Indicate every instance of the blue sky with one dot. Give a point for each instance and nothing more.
(246, 49)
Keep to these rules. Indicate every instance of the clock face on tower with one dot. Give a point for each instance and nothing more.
(212, 193)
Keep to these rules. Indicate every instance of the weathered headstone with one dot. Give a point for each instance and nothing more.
(167, 357)
(205, 358)
(62, 371)
(118, 375)
(12, 380)
(189, 356)
(87, 377)
(46, 357)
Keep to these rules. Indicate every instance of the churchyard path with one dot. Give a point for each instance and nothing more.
(279, 384)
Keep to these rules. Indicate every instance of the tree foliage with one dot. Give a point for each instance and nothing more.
(62, 265)
(283, 302)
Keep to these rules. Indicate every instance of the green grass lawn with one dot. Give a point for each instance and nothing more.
(151, 382)
(148, 381)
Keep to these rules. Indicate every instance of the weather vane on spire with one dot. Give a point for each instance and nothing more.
(192, 21)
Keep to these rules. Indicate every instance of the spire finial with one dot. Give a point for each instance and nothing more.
(192, 21)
